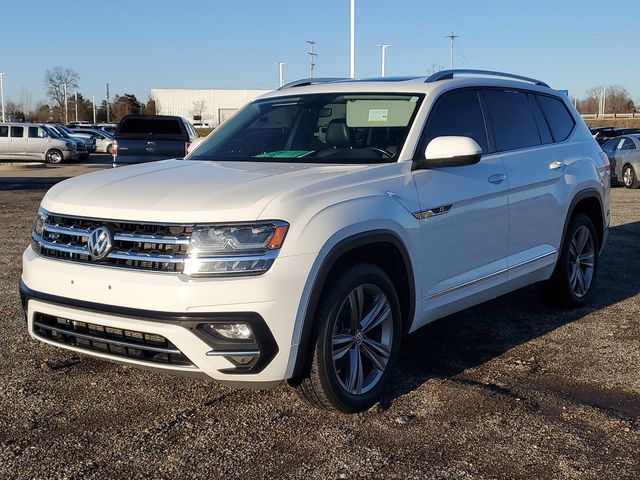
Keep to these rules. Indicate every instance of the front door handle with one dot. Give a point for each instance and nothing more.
(497, 178)
(555, 165)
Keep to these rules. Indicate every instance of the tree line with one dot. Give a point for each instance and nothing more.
(616, 100)
(54, 109)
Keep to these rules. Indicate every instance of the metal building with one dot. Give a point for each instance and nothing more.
(205, 107)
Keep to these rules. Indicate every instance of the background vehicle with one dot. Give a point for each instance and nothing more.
(606, 133)
(624, 156)
(83, 146)
(146, 138)
(30, 141)
(103, 140)
(320, 224)
(89, 143)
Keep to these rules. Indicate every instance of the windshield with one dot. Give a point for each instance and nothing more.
(59, 131)
(320, 128)
(52, 133)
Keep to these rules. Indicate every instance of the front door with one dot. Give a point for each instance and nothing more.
(464, 213)
(18, 143)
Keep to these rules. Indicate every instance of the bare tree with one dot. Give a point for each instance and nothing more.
(55, 80)
(617, 100)
(199, 109)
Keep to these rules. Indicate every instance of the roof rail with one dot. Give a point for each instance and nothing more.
(310, 81)
(448, 74)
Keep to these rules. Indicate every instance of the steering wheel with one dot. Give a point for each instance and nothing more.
(381, 151)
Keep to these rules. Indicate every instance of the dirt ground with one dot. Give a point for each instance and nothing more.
(507, 390)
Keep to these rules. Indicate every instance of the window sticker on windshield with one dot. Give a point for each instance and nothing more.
(378, 114)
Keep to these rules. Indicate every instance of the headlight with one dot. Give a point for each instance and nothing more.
(41, 219)
(229, 249)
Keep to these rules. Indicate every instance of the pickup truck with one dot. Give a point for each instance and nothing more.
(147, 138)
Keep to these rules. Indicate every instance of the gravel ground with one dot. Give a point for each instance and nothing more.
(509, 389)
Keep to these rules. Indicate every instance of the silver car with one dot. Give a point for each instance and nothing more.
(624, 156)
(29, 141)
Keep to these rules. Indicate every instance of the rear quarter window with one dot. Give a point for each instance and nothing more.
(558, 117)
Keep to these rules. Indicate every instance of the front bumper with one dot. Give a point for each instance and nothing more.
(70, 154)
(173, 307)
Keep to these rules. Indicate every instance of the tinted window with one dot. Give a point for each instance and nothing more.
(610, 146)
(36, 132)
(558, 117)
(4, 131)
(543, 127)
(150, 127)
(627, 144)
(512, 120)
(457, 113)
(17, 131)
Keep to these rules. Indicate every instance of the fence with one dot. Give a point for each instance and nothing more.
(599, 116)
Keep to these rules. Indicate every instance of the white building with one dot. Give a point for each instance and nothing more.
(206, 107)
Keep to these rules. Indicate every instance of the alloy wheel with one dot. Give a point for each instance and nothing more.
(581, 261)
(362, 339)
(627, 177)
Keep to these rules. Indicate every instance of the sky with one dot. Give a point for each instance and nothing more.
(136, 45)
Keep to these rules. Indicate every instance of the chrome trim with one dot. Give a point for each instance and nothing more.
(226, 353)
(145, 257)
(119, 343)
(58, 246)
(162, 239)
(268, 255)
(486, 277)
(432, 212)
(76, 232)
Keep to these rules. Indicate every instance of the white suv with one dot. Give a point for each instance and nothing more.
(309, 233)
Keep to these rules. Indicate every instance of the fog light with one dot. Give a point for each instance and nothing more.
(232, 331)
(241, 359)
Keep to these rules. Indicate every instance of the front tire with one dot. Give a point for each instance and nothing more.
(629, 177)
(355, 341)
(571, 284)
(54, 157)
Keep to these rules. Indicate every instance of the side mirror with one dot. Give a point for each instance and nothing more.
(450, 152)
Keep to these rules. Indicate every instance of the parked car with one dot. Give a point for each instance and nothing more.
(103, 140)
(319, 225)
(605, 134)
(29, 141)
(81, 146)
(147, 138)
(108, 127)
(90, 144)
(624, 156)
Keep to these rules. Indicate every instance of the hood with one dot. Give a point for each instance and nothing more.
(184, 191)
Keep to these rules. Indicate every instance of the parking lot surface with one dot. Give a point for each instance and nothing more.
(510, 389)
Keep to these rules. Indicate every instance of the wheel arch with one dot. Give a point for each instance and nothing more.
(587, 201)
(381, 247)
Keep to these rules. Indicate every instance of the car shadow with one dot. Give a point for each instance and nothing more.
(451, 345)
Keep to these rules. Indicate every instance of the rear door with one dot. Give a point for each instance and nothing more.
(526, 128)
(464, 212)
(18, 142)
(37, 143)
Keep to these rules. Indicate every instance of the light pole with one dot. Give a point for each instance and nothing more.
(93, 102)
(76, 105)
(2, 94)
(281, 71)
(383, 47)
(452, 36)
(66, 105)
(352, 40)
(312, 55)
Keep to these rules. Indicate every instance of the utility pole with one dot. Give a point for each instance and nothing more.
(312, 56)
(66, 104)
(2, 94)
(281, 71)
(76, 103)
(604, 100)
(452, 36)
(108, 104)
(93, 102)
(352, 40)
(383, 47)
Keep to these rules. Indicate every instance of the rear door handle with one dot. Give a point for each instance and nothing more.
(555, 165)
(497, 178)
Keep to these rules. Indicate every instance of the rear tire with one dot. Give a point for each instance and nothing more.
(571, 284)
(54, 157)
(355, 341)
(629, 177)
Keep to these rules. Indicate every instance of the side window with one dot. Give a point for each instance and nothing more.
(456, 113)
(543, 127)
(627, 144)
(512, 120)
(4, 131)
(558, 117)
(17, 132)
(610, 146)
(36, 132)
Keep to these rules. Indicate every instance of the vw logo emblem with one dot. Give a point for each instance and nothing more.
(100, 243)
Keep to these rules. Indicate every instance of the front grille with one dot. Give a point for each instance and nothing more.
(141, 246)
(118, 342)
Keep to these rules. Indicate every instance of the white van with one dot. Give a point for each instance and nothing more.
(29, 141)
